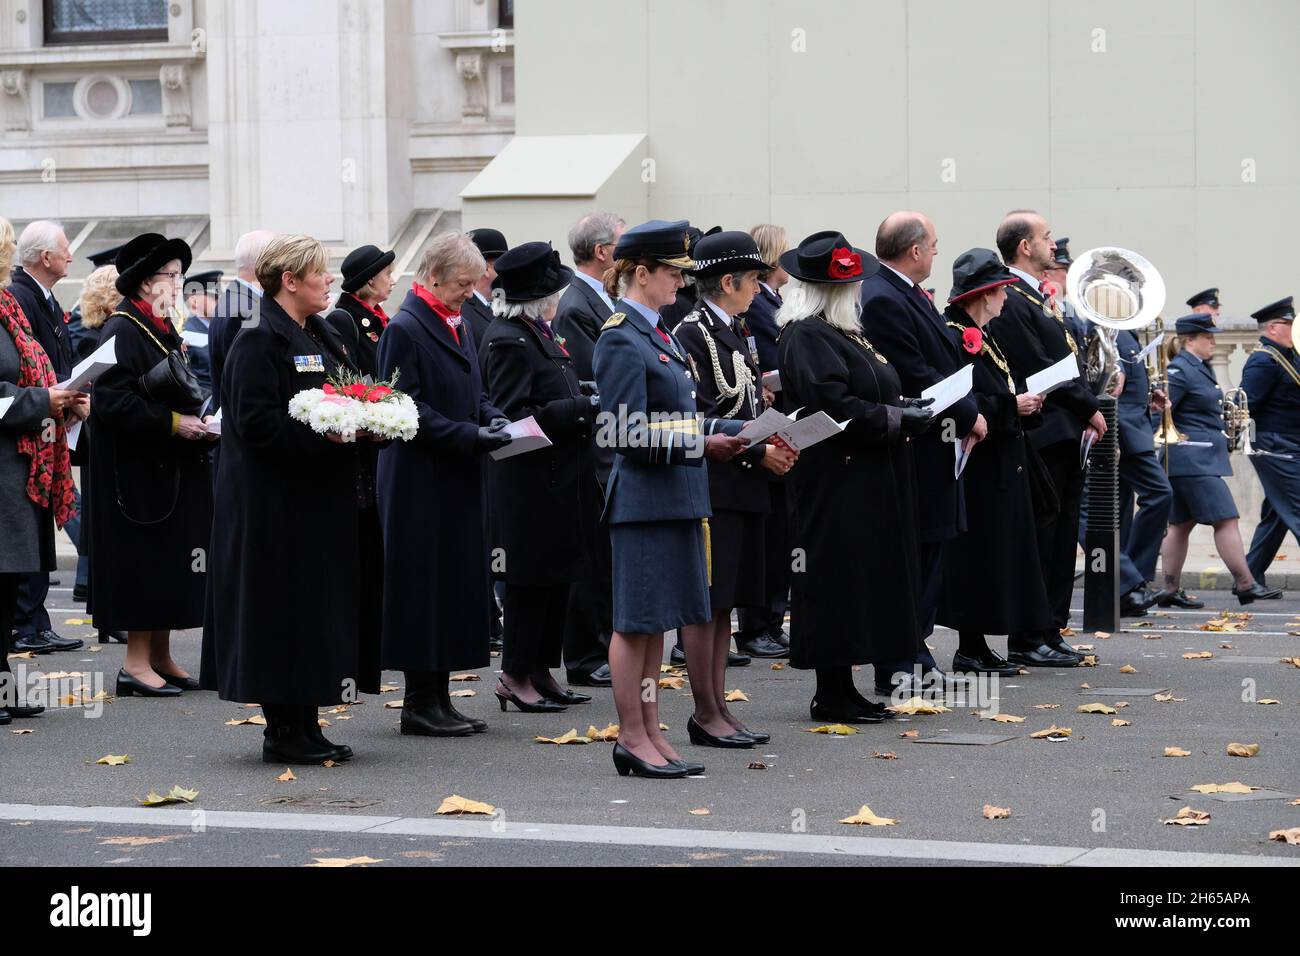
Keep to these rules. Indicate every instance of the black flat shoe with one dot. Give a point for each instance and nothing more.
(291, 745)
(677, 656)
(128, 686)
(739, 660)
(626, 762)
(703, 738)
(762, 647)
(1256, 592)
(846, 714)
(755, 735)
(566, 697)
(600, 677)
(62, 643)
(22, 710)
(1138, 601)
(983, 664)
(80, 593)
(32, 644)
(1059, 645)
(1179, 598)
(184, 683)
(1042, 656)
(111, 637)
(692, 769)
(543, 706)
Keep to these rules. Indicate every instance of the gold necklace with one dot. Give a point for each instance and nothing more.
(990, 348)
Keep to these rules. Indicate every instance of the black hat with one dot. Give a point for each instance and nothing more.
(978, 270)
(1196, 322)
(667, 242)
(1281, 309)
(816, 260)
(718, 253)
(1062, 256)
(490, 242)
(144, 255)
(363, 264)
(695, 235)
(209, 282)
(1209, 297)
(105, 258)
(530, 272)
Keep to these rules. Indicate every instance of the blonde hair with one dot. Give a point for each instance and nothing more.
(618, 278)
(300, 256)
(772, 241)
(447, 252)
(99, 297)
(8, 246)
(837, 303)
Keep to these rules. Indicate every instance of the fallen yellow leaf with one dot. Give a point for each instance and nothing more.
(1128, 669)
(256, 719)
(1052, 731)
(114, 760)
(910, 733)
(322, 722)
(1187, 817)
(176, 794)
(915, 705)
(837, 729)
(463, 677)
(1268, 700)
(394, 704)
(25, 730)
(1152, 637)
(735, 695)
(1121, 723)
(457, 805)
(1002, 718)
(671, 683)
(1102, 634)
(141, 840)
(388, 688)
(756, 765)
(1095, 708)
(568, 737)
(1085, 647)
(996, 813)
(1046, 706)
(1242, 750)
(1068, 632)
(886, 755)
(337, 861)
(1294, 661)
(24, 656)
(1291, 836)
(286, 776)
(1197, 656)
(464, 693)
(1235, 787)
(1177, 752)
(609, 734)
(1163, 698)
(778, 666)
(700, 812)
(1121, 704)
(864, 817)
(1089, 660)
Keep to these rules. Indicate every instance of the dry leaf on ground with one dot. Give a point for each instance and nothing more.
(176, 794)
(671, 683)
(1163, 698)
(1242, 750)
(1267, 700)
(1187, 817)
(1128, 669)
(885, 755)
(1052, 731)
(464, 693)
(839, 730)
(457, 805)
(338, 861)
(864, 817)
(910, 733)
(1197, 655)
(1121, 723)
(568, 737)
(114, 760)
(256, 720)
(700, 812)
(1089, 660)
(735, 695)
(1235, 787)
(996, 813)
(1046, 706)
(1177, 752)
(394, 704)
(465, 677)
(1001, 718)
(1095, 708)
(286, 776)
(1291, 836)
(915, 705)
(756, 765)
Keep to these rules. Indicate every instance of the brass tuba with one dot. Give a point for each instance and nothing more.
(1114, 289)
(1236, 418)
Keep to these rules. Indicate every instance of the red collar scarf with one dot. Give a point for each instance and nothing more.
(161, 324)
(376, 310)
(49, 480)
(449, 316)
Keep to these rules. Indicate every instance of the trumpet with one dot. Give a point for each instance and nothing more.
(1167, 433)
(1236, 419)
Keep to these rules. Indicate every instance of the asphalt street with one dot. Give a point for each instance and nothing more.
(1096, 798)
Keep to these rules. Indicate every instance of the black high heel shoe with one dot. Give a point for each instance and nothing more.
(184, 683)
(543, 706)
(128, 686)
(564, 696)
(626, 762)
(703, 738)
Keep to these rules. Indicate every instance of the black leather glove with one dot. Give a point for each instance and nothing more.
(917, 402)
(498, 423)
(490, 439)
(588, 388)
(915, 421)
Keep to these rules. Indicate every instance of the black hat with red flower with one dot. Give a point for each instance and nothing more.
(827, 257)
(976, 271)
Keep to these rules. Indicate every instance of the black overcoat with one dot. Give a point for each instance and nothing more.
(152, 493)
(853, 522)
(993, 578)
(548, 501)
(366, 328)
(282, 620)
(431, 500)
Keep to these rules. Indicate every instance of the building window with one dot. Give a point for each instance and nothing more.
(59, 102)
(105, 21)
(506, 14)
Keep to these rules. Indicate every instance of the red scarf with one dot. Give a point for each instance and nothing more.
(49, 481)
(449, 316)
(162, 324)
(376, 310)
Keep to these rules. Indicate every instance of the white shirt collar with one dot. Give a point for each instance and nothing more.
(597, 286)
(899, 274)
(1033, 283)
(719, 313)
(249, 286)
(770, 290)
(481, 297)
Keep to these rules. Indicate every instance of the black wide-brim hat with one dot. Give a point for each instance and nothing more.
(828, 258)
(363, 264)
(1196, 322)
(1281, 309)
(975, 271)
(530, 272)
(720, 253)
(491, 242)
(144, 255)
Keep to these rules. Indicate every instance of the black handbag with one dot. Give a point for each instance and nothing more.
(171, 382)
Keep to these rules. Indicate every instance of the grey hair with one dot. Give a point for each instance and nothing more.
(536, 309)
(710, 287)
(39, 236)
(838, 304)
(447, 252)
(592, 230)
(895, 240)
(249, 247)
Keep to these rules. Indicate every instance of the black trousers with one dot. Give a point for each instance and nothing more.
(770, 618)
(1058, 540)
(8, 600)
(534, 627)
(29, 614)
(589, 622)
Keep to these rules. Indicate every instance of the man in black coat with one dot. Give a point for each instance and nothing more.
(900, 320)
(43, 252)
(477, 310)
(1033, 336)
(237, 306)
(202, 294)
(583, 309)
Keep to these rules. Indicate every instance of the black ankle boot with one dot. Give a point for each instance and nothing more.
(427, 712)
(285, 740)
(311, 727)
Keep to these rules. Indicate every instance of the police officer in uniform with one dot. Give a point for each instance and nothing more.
(1197, 466)
(1271, 379)
(657, 498)
(1205, 302)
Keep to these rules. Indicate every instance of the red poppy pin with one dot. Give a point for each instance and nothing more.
(972, 340)
(663, 358)
(845, 264)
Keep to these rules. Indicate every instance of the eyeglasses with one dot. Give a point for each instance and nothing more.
(171, 275)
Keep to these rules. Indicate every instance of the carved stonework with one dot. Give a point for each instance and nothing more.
(175, 80)
(470, 67)
(14, 103)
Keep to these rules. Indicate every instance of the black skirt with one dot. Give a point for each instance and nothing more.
(738, 554)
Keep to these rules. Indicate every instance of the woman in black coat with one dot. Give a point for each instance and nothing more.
(284, 597)
(149, 486)
(853, 521)
(993, 578)
(430, 492)
(548, 500)
(367, 283)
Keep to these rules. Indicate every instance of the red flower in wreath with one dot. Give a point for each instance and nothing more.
(378, 393)
(972, 340)
(845, 264)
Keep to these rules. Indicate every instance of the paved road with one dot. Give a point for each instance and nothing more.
(1087, 800)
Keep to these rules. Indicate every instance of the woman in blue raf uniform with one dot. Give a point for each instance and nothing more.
(548, 501)
(1271, 379)
(1196, 467)
(853, 520)
(728, 386)
(657, 498)
(993, 578)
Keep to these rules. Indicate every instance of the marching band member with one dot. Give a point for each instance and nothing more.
(1197, 466)
(1271, 379)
